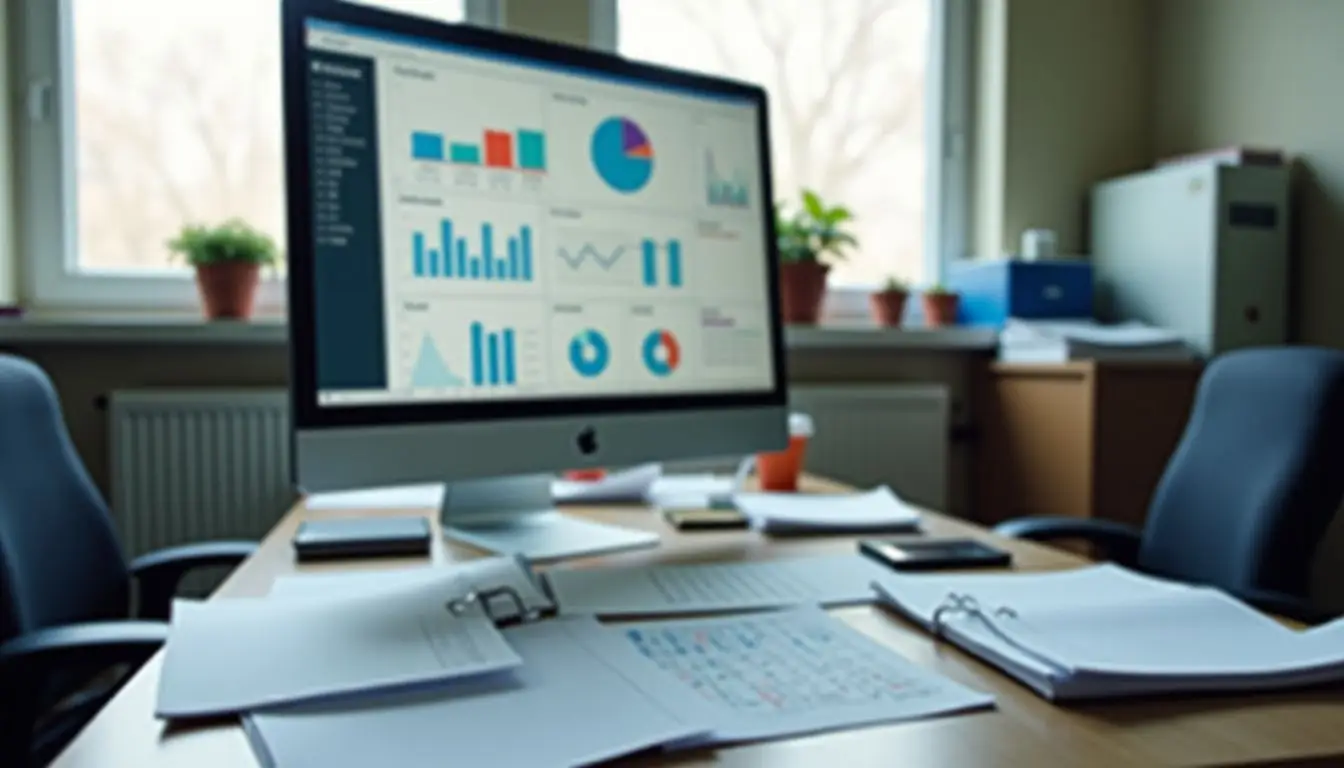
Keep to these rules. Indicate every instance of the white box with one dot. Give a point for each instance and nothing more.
(1200, 249)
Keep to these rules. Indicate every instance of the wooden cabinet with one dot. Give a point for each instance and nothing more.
(1081, 439)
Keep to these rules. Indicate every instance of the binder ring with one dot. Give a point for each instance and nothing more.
(459, 606)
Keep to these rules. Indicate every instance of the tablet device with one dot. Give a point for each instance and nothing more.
(362, 537)
(935, 554)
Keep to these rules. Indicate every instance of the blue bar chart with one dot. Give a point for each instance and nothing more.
(494, 357)
(452, 258)
(670, 275)
(721, 190)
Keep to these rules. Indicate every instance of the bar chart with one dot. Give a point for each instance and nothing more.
(452, 258)
(519, 150)
(670, 273)
(722, 191)
(494, 357)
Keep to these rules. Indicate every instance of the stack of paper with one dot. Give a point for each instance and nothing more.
(1105, 631)
(230, 656)
(1023, 341)
(875, 511)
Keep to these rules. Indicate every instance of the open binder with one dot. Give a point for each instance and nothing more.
(1106, 632)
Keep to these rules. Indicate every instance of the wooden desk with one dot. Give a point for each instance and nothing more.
(1304, 728)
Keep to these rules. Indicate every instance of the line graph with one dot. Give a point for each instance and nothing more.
(604, 259)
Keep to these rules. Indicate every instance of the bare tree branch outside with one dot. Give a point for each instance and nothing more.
(177, 109)
(847, 82)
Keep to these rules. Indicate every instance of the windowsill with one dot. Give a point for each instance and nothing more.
(170, 329)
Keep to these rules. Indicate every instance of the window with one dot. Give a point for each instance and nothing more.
(864, 96)
(148, 114)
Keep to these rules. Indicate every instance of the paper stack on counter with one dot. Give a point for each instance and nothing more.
(1029, 341)
(878, 510)
(230, 656)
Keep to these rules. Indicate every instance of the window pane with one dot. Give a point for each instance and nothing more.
(177, 115)
(847, 83)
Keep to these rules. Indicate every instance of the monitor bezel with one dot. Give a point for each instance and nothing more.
(307, 412)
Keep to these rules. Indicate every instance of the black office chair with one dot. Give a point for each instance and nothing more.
(1251, 488)
(64, 585)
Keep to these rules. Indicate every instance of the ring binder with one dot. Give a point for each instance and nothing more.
(969, 606)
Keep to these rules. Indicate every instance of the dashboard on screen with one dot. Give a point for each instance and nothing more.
(488, 227)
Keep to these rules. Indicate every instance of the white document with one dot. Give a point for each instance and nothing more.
(229, 656)
(788, 673)
(451, 580)
(714, 587)
(427, 496)
(694, 490)
(627, 485)
(567, 705)
(1105, 631)
(875, 510)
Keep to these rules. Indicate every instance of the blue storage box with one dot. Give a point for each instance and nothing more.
(993, 291)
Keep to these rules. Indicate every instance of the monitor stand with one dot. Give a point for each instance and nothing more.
(516, 516)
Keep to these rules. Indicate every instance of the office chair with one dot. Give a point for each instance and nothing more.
(64, 585)
(1250, 489)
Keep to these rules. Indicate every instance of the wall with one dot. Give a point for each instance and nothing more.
(1063, 101)
(1267, 73)
(565, 21)
(8, 100)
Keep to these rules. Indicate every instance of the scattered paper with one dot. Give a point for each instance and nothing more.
(789, 673)
(230, 656)
(476, 575)
(629, 485)
(877, 510)
(427, 496)
(715, 587)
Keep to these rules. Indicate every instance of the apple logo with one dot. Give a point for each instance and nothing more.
(587, 441)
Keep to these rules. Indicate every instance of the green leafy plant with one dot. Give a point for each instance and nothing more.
(938, 289)
(814, 232)
(233, 241)
(895, 284)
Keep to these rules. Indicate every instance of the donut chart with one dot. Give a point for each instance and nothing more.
(662, 353)
(589, 353)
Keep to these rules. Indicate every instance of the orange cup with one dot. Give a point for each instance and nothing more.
(779, 470)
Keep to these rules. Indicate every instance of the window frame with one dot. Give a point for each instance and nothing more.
(47, 198)
(947, 114)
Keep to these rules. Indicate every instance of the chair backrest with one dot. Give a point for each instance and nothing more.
(1256, 479)
(60, 561)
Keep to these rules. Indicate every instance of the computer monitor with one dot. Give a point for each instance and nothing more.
(509, 258)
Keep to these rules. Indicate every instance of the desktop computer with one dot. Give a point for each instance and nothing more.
(508, 258)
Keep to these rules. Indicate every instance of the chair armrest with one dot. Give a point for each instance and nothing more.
(1285, 605)
(1118, 542)
(29, 661)
(159, 573)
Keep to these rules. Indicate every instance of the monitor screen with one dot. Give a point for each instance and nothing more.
(491, 227)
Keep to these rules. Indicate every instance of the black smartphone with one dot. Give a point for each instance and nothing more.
(935, 554)
(702, 519)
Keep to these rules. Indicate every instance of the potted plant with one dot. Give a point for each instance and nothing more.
(940, 306)
(809, 241)
(228, 259)
(888, 304)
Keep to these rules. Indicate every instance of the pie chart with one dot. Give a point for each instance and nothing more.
(662, 354)
(589, 353)
(622, 154)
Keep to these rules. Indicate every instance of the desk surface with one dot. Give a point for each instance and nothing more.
(1301, 728)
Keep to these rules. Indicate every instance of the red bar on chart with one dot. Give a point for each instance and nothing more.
(498, 149)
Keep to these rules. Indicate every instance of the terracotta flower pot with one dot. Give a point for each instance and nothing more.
(940, 309)
(802, 286)
(888, 307)
(228, 288)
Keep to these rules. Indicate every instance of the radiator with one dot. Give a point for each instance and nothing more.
(190, 465)
(868, 435)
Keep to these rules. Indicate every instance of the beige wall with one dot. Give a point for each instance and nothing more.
(1063, 102)
(1267, 73)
